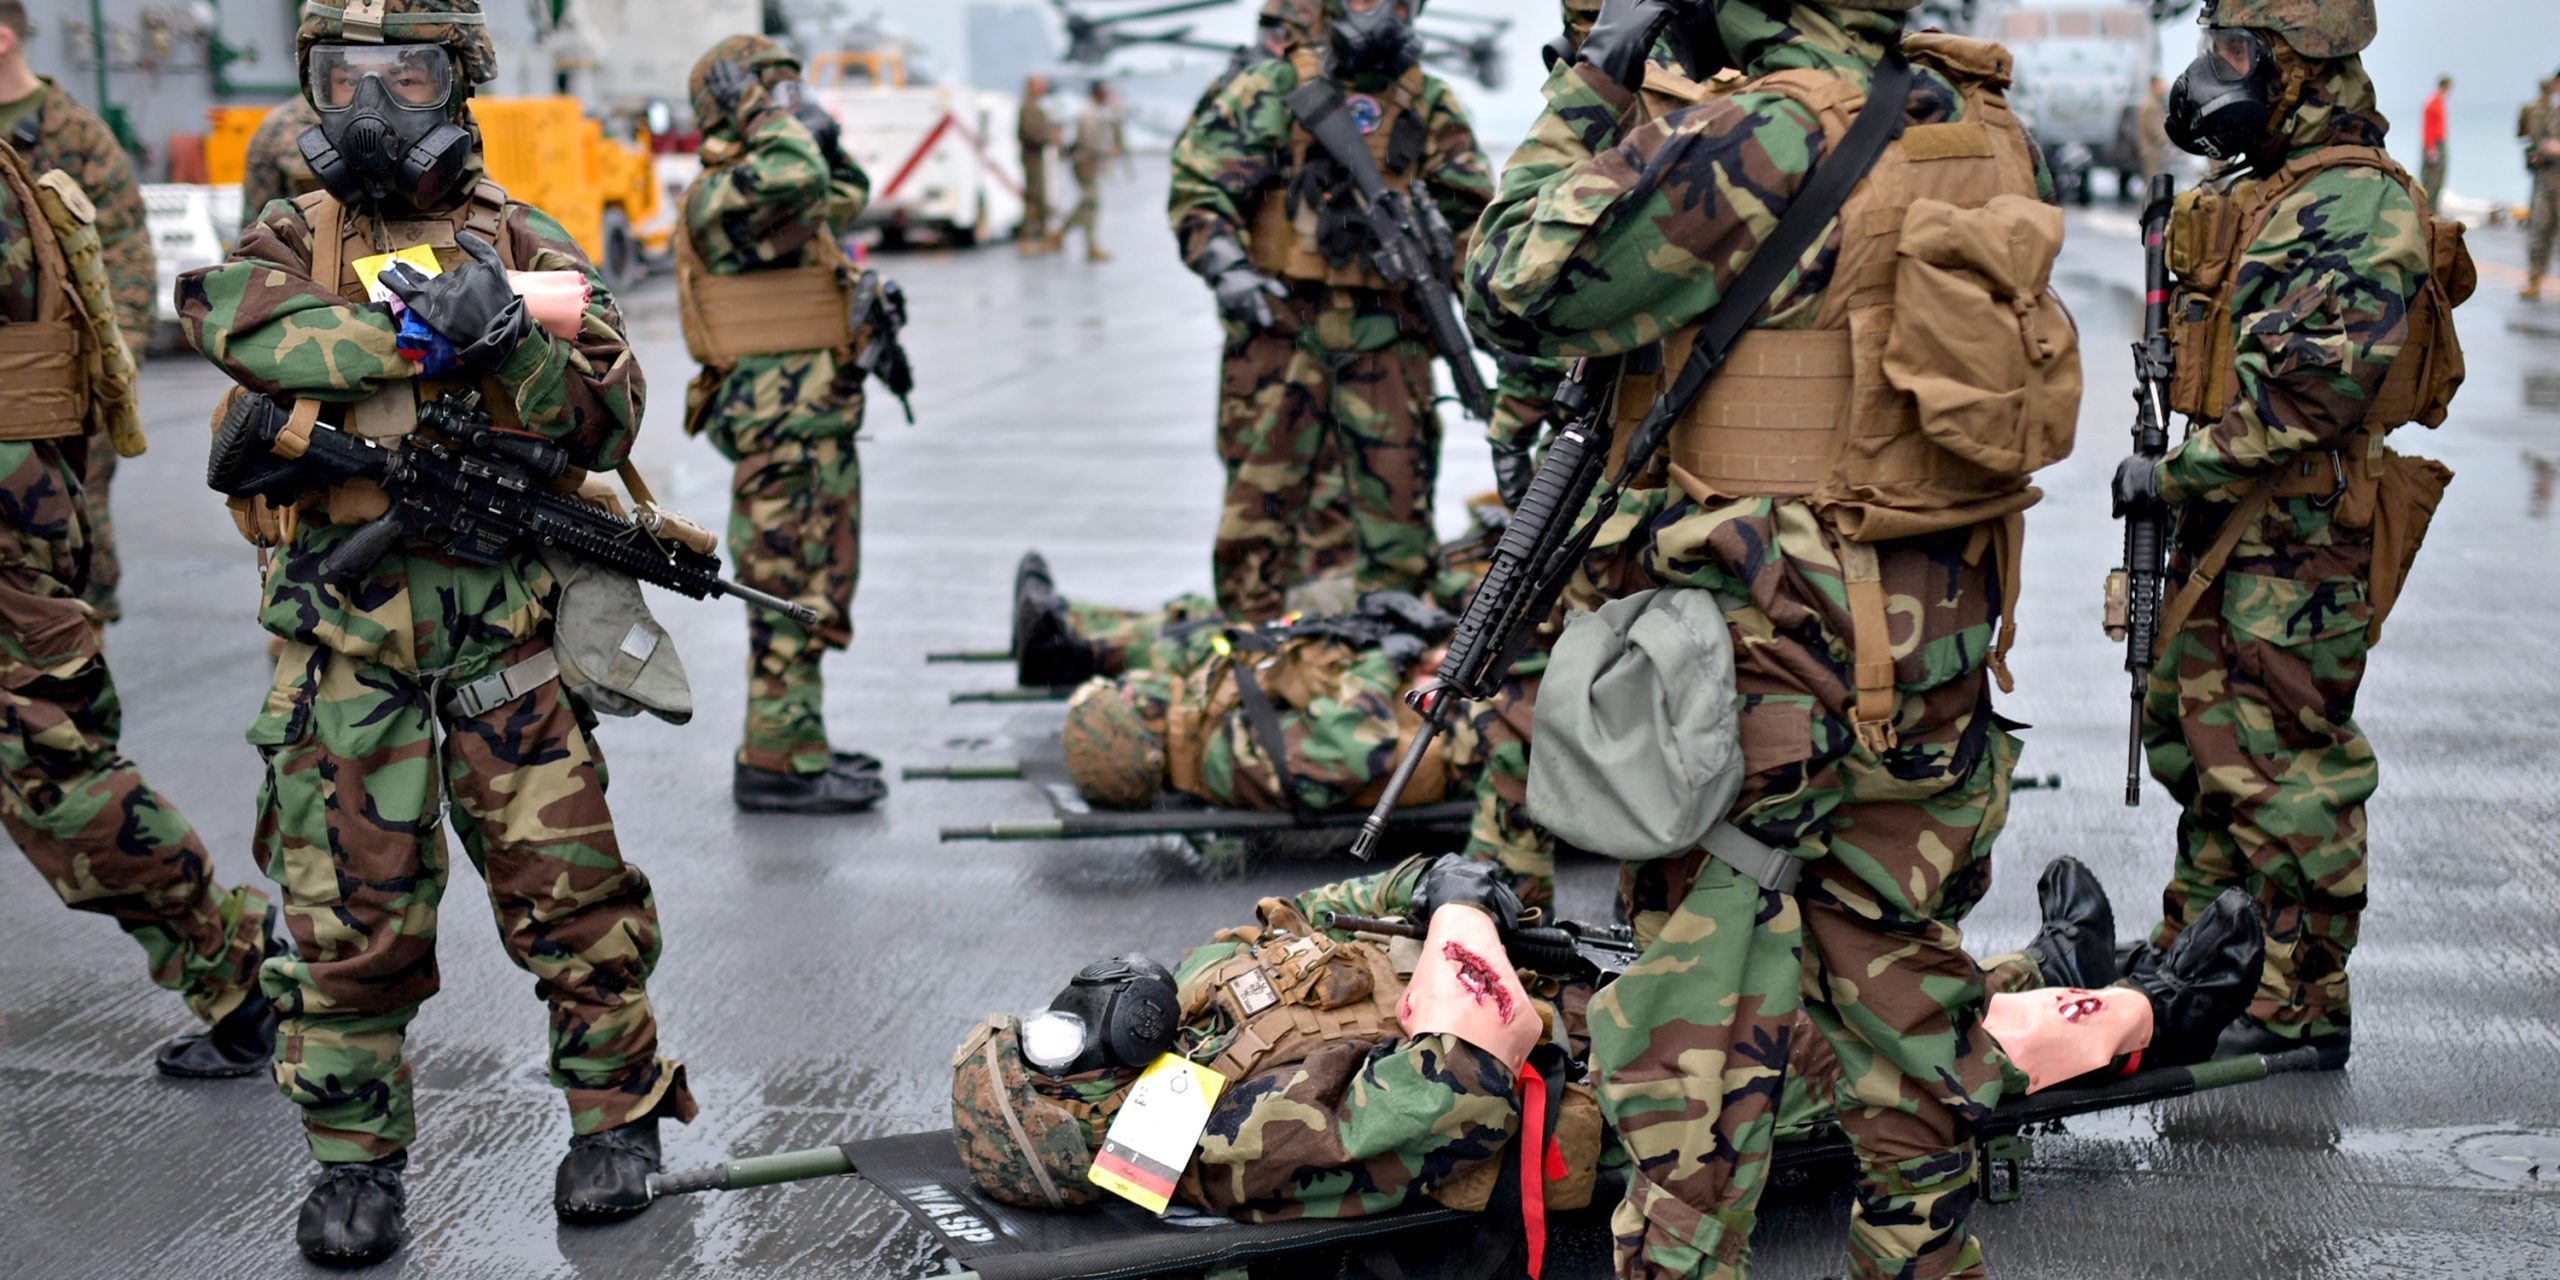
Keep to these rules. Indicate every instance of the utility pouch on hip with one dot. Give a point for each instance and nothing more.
(1980, 341)
(2408, 490)
(613, 654)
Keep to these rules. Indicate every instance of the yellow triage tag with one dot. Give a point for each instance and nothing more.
(369, 270)
(1150, 1142)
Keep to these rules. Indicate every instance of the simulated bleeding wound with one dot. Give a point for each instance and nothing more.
(1466, 987)
(2059, 1033)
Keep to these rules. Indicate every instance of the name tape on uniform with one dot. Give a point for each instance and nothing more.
(1150, 1142)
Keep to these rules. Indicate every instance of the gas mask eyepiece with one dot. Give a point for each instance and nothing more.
(2223, 105)
(1376, 37)
(1122, 1012)
(385, 131)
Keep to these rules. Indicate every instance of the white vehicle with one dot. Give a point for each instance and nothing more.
(2083, 74)
(943, 159)
(190, 227)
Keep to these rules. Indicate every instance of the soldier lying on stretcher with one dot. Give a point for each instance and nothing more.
(1365, 1074)
(1304, 714)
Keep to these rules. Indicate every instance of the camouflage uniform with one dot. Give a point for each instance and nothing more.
(1605, 237)
(1358, 1127)
(79, 809)
(1092, 148)
(1342, 371)
(786, 421)
(273, 168)
(364, 755)
(2541, 125)
(1038, 133)
(72, 138)
(2250, 717)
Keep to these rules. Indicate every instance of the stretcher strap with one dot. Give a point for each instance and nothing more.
(1265, 721)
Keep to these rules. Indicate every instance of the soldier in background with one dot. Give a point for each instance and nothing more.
(1037, 133)
(764, 294)
(1323, 356)
(1089, 154)
(273, 168)
(53, 131)
(78, 809)
(2539, 126)
(2151, 130)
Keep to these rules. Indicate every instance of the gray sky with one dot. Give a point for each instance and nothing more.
(2495, 49)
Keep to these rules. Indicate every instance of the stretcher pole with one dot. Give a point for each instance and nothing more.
(754, 1171)
(1009, 771)
(942, 657)
(1027, 693)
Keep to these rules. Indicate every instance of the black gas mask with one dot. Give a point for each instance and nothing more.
(1376, 37)
(2223, 105)
(385, 131)
(1122, 1012)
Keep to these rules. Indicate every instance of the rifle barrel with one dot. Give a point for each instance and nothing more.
(797, 612)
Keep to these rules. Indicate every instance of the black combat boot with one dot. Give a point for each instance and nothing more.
(856, 762)
(1052, 654)
(606, 1175)
(2076, 945)
(841, 789)
(2248, 1035)
(2203, 981)
(1032, 586)
(352, 1218)
(243, 1043)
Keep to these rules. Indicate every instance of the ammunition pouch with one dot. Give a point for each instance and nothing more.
(2210, 231)
(1289, 992)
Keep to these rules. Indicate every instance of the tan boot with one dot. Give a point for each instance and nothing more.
(1096, 253)
(2532, 289)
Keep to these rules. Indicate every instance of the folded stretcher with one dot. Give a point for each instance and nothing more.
(978, 1237)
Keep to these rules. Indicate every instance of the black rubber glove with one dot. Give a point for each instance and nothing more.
(1512, 472)
(727, 84)
(2137, 487)
(1621, 38)
(1455, 880)
(1244, 294)
(1401, 650)
(472, 306)
(793, 96)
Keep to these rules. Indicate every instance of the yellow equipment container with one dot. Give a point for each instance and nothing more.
(546, 152)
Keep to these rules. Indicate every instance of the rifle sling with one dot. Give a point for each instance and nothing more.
(1318, 106)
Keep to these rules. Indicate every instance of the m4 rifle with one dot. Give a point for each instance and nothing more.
(879, 308)
(1410, 243)
(478, 493)
(2135, 592)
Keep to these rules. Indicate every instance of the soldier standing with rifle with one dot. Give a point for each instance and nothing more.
(767, 298)
(2310, 314)
(1313, 195)
(1864, 584)
(428, 686)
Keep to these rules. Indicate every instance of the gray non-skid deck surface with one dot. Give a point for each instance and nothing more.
(818, 973)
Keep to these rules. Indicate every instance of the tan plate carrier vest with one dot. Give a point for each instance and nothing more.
(766, 313)
(2371, 485)
(47, 363)
(1285, 247)
(1295, 989)
(1818, 415)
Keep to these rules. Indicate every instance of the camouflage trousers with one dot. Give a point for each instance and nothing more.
(795, 529)
(1035, 195)
(106, 568)
(360, 775)
(1690, 1046)
(1286, 404)
(2543, 231)
(2250, 724)
(1086, 216)
(83, 814)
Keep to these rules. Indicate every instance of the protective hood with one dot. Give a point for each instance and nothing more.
(2339, 107)
(1775, 35)
(762, 58)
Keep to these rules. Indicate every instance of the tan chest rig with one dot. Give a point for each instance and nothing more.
(2365, 483)
(49, 363)
(1295, 989)
(1283, 244)
(777, 311)
(1871, 416)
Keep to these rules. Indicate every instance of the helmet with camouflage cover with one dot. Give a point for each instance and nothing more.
(455, 24)
(1303, 19)
(2315, 28)
(1027, 1138)
(759, 56)
(1114, 757)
